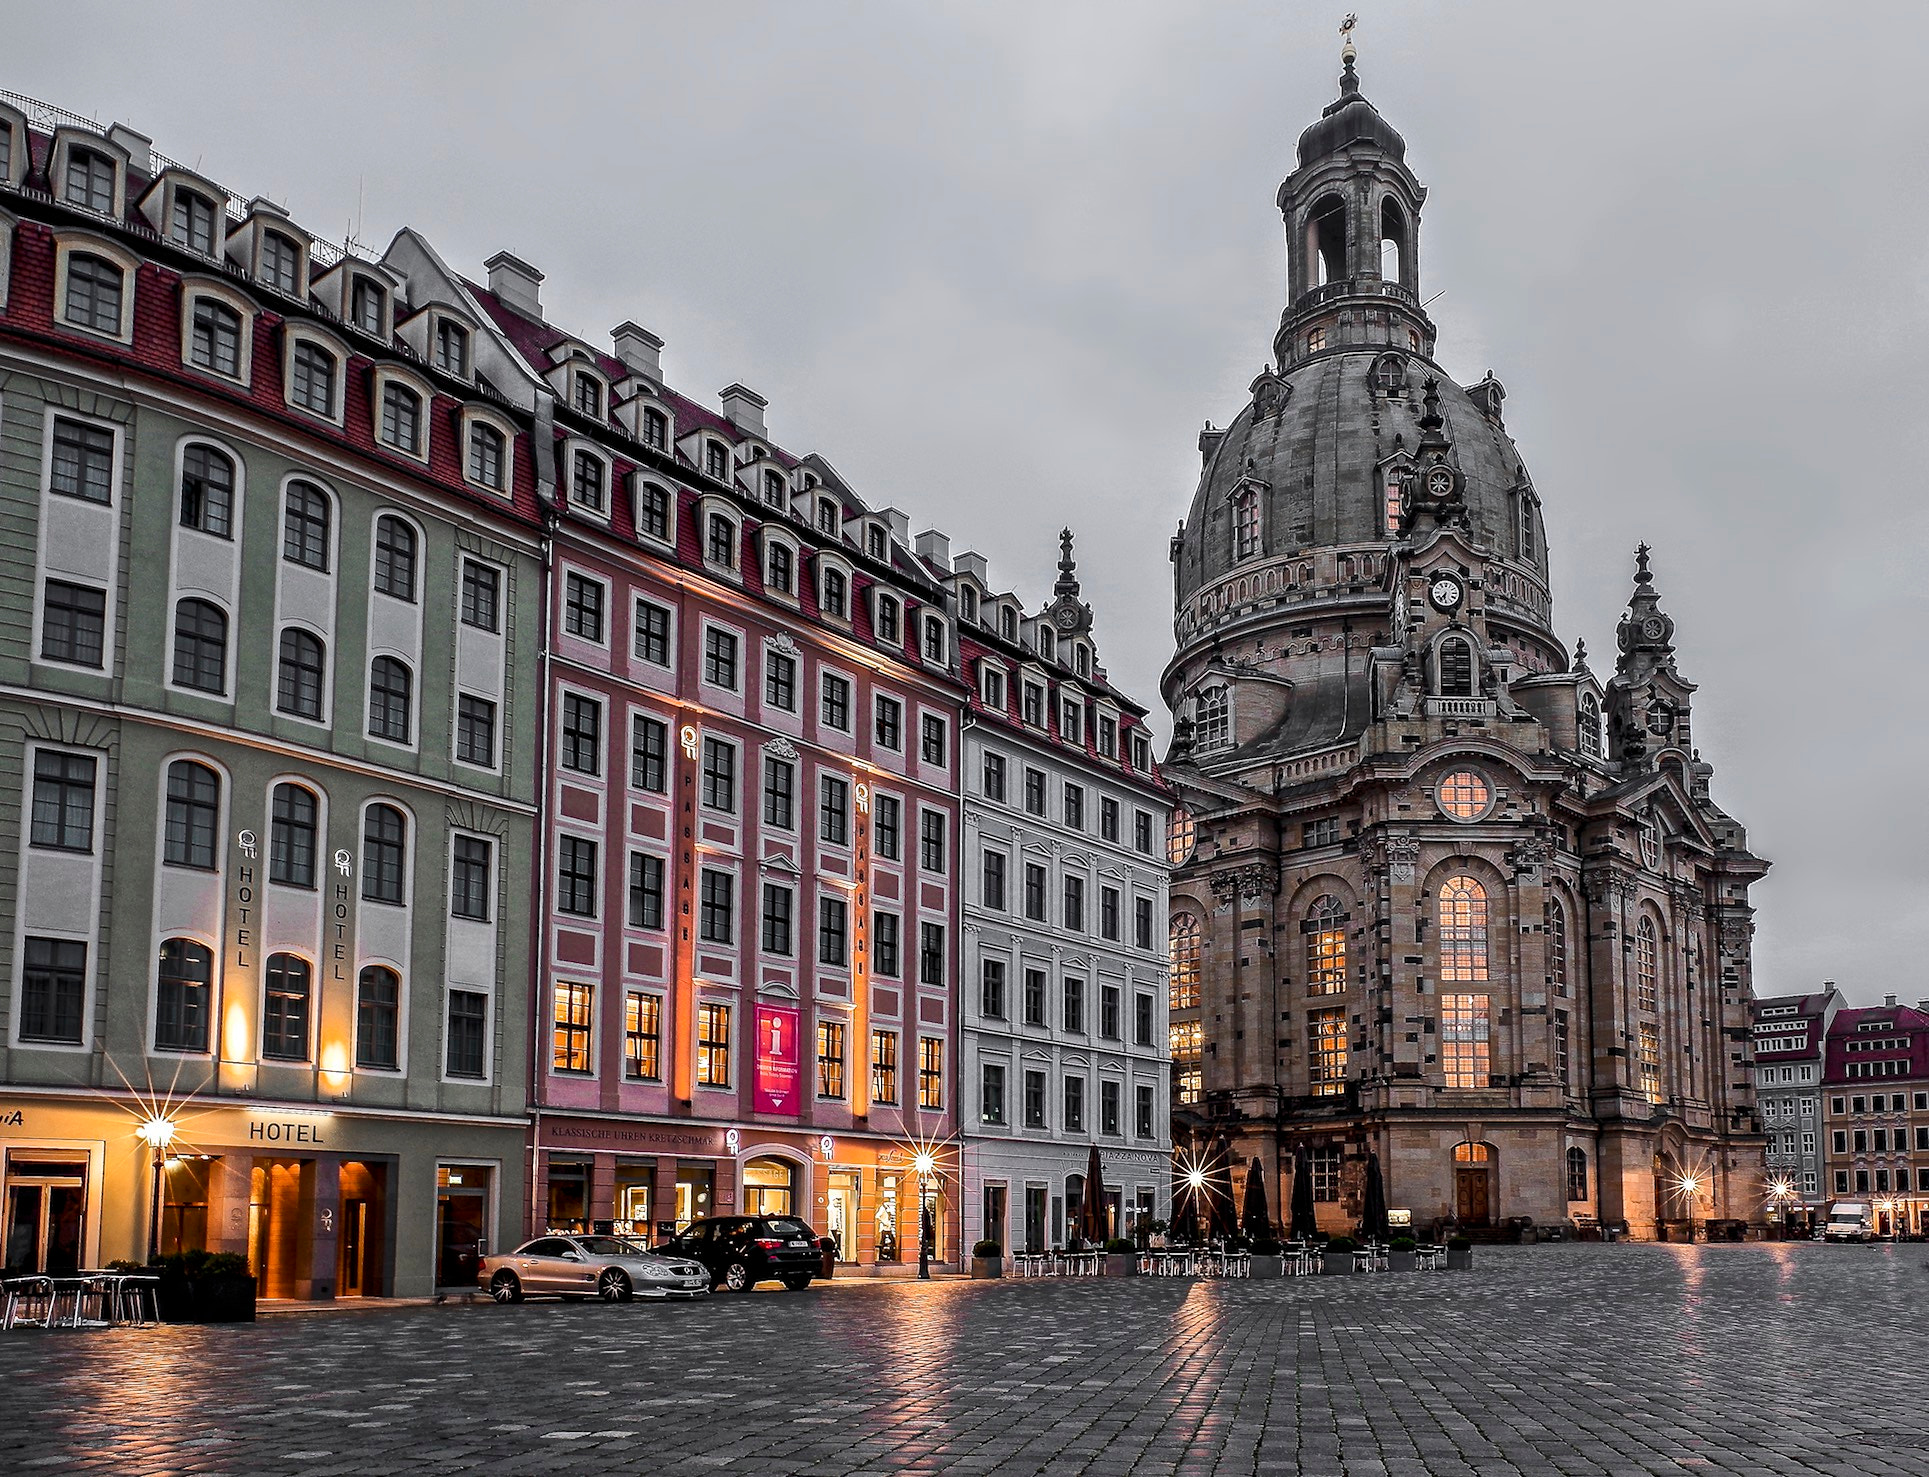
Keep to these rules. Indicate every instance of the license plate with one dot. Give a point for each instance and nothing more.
(800, 1243)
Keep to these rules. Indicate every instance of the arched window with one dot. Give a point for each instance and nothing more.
(378, 1013)
(1245, 520)
(214, 340)
(1576, 1174)
(1590, 725)
(723, 541)
(1526, 526)
(184, 983)
(1326, 241)
(291, 837)
(193, 815)
(311, 383)
(1557, 945)
(1179, 836)
(304, 527)
(288, 985)
(586, 481)
(1186, 944)
(207, 491)
(1212, 719)
(1467, 1153)
(390, 686)
(1325, 931)
(299, 676)
(94, 287)
(385, 835)
(1393, 241)
(656, 428)
(834, 598)
(1647, 960)
(1395, 497)
(394, 558)
(200, 646)
(487, 449)
(1463, 930)
(1047, 643)
(402, 418)
(1456, 662)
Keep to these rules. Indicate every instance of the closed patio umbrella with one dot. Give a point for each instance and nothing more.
(1221, 1216)
(1373, 1212)
(1304, 1222)
(1091, 1210)
(1254, 1220)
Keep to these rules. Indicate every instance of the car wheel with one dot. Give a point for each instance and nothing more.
(504, 1287)
(797, 1282)
(613, 1286)
(737, 1277)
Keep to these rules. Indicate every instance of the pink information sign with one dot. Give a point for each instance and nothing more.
(778, 1062)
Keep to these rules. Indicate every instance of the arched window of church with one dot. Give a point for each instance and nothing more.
(1395, 480)
(1185, 961)
(1647, 965)
(1590, 725)
(1456, 660)
(1526, 526)
(1393, 241)
(1212, 720)
(1576, 1174)
(1325, 930)
(1463, 930)
(1326, 241)
(1245, 521)
(1557, 945)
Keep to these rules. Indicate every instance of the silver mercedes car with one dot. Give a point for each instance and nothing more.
(608, 1267)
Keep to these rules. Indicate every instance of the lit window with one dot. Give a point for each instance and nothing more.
(1464, 795)
(884, 1066)
(1326, 1051)
(1325, 930)
(830, 1059)
(1179, 838)
(1463, 931)
(1393, 502)
(1646, 965)
(1464, 1056)
(1186, 949)
(643, 1037)
(1315, 340)
(1650, 1061)
(574, 1004)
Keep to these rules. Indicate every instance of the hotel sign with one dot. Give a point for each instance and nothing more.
(779, 1062)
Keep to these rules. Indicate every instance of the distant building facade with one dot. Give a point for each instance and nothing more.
(1789, 1035)
(1876, 1083)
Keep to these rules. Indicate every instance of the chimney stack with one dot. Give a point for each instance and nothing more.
(640, 350)
(936, 548)
(743, 407)
(140, 148)
(1888, 1000)
(516, 283)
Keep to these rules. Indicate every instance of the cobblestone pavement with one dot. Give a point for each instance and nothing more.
(1559, 1359)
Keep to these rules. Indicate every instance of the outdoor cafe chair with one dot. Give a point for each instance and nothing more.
(29, 1301)
(1429, 1257)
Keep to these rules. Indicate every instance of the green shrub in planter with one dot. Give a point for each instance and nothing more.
(1339, 1244)
(205, 1287)
(987, 1248)
(1459, 1243)
(1119, 1246)
(1402, 1243)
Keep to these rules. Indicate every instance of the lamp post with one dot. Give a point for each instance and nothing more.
(924, 1164)
(157, 1133)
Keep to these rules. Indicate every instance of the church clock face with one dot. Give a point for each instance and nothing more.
(1440, 483)
(1445, 592)
(1652, 628)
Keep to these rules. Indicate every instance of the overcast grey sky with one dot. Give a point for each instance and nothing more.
(998, 262)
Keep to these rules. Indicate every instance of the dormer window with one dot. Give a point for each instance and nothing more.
(280, 262)
(311, 379)
(1526, 527)
(773, 487)
(653, 504)
(934, 642)
(488, 454)
(586, 481)
(90, 180)
(1212, 719)
(721, 545)
(6, 152)
(214, 342)
(1245, 520)
(779, 567)
(1395, 484)
(827, 517)
(1071, 726)
(992, 687)
(716, 460)
(402, 419)
(193, 223)
(1082, 660)
(587, 396)
(656, 428)
(451, 347)
(886, 618)
(1108, 737)
(1590, 725)
(368, 305)
(967, 603)
(836, 595)
(874, 544)
(1034, 704)
(1007, 623)
(1047, 643)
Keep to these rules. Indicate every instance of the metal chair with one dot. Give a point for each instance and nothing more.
(28, 1301)
(1429, 1257)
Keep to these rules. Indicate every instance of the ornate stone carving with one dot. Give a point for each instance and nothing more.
(1402, 857)
(1528, 856)
(1737, 933)
(781, 748)
(781, 644)
(1251, 882)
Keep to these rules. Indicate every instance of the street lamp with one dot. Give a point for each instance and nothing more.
(158, 1134)
(924, 1163)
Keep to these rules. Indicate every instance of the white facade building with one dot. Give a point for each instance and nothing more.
(1063, 971)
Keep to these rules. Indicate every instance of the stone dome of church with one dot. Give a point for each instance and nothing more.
(1352, 119)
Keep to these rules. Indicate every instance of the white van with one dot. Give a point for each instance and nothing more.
(1850, 1220)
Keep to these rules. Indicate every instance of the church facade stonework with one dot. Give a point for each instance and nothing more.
(1444, 896)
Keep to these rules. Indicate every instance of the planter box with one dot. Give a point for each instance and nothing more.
(1460, 1261)
(1402, 1261)
(1334, 1263)
(987, 1266)
(1268, 1266)
(1120, 1264)
(207, 1299)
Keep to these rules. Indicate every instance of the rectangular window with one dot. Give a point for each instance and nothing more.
(778, 903)
(378, 1011)
(1562, 1069)
(1142, 832)
(833, 930)
(834, 810)
(1464, 1040)
(475, 731)
(649, 754)
(931, 837)
(1075, 806)
(716, 923)
(63, 801)
(1034, 997)
(830, 1060)
(1144, 1125)
(1075, 904)
(1033, 705)
(884, 1066)
(994, 780)
(53, 990)
(720, 658)
(646, 890)
(991, 989)
(991, 891)
(835, 707)
(1034, 792)
(1035, 892)
(472, 878)
(1108, 913)
(651, 634)
(468, 1034)
(570, 1042)
(713, 1045)
(1649, 1061)
(931, 953)
(481, 596)
(1073, 1000)
(720, 775)
(932, 742)
(73, 624)
(1142, 922)
(1110, 1010)
(576, 877)
(884, 945)
(931, 1073)
(991, 1093)
(1108, 1107)
(1320, 833)
(1035, 1100)
(1108, 818)
(1326, 1052)
(884, 826)
(890, 723)
(1143, 1011)
(642, 1037)
(1075, 1105)
(780, 793)
(583, 607)
(780, 681)
(582, 734)
(1326, 1176)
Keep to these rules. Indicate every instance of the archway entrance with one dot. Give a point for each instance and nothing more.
(1473, 1184)
(769, 1187)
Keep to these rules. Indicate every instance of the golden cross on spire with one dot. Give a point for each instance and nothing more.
(1347, 51)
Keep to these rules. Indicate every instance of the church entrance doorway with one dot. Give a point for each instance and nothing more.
(1473, 1184)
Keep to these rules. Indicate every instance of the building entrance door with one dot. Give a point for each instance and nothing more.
(461, 1222)
(1035, 1198)
(841, 1206)
(769, 1187)
(1470, 1197)
(46, 1215)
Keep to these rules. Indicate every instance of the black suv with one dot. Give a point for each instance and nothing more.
(742, 1250)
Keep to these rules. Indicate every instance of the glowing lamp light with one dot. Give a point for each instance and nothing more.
(1688, 1184)
(157, 1132)
(1196, 1179)
(924, 1164)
